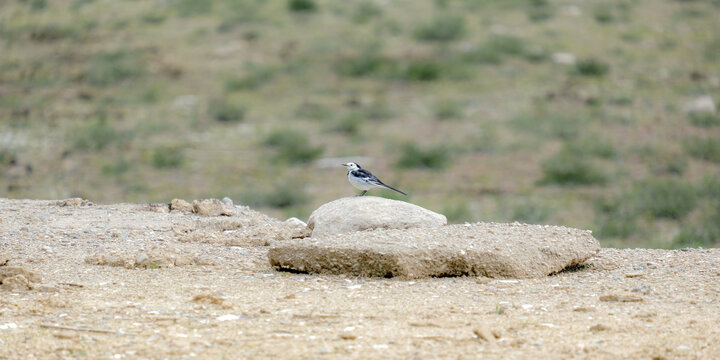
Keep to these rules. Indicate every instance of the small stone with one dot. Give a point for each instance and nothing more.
(142, 259)
(206, 260)
(4, 258)
(45, 288)
(643, 289)
(620, 298)
(11, 271)
(212, 207)
(348, 336)
(15, 283)
(563, 58)
(160, 208)
(702, 104)
(73, 202)
(599, 327)
(183, 260)
(228, 202)
(482, 332)
(634, 274)
(180, 205)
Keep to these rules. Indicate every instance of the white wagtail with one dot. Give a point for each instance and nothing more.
(364, 180)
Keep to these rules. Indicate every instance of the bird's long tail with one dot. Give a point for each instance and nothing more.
(392, 188)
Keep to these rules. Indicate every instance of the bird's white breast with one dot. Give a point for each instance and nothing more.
(360, 183)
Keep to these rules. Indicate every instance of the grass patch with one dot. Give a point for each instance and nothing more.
(664, 198)
(592, 146)
(555, 125)
(531, 213)
(281, 196)
(444, 28)
(701, 148)
(117, 167)
(458, 211)
(257, 75)
(368, 62)
(365, 11)
(592, 68)
(188, 8)
(495, 49)
(704, 120)
(349, 123)
(227, 112)
(448, 109)
(540, 10)
(571, 168)
(414, 156)
(97, 134)
(292, 146)
(302, 6)
(167, 157)
(422, 71)
(110, 68)
(313, 111)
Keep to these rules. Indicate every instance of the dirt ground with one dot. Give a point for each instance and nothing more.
(135, 281)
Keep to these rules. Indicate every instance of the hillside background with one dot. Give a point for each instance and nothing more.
(590, 114)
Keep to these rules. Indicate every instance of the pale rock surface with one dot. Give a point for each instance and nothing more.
(480, 249)
(702, 104)
(360, 213)
(180, 205)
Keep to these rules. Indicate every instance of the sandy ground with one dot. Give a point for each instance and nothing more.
(220, 299)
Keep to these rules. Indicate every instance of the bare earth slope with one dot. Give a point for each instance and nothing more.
(132, 281)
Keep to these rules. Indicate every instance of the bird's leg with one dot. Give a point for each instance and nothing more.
(363, 193)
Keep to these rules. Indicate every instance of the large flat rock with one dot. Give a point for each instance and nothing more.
(482, 249)
(351, 214)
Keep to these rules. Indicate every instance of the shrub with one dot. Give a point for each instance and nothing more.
(592, 68)
(95, 135)
(707, 149)
(109, 68)
(165, 157)
(292, 146)
(704, 120)
(669, 164)
(302, 5)
(664, 198)
(540, 10)
(368, 62)
(225, 111)
(603, 13)
(570, 168)
(616, 218)
(413, 156)
(443, 28)
(422, 70)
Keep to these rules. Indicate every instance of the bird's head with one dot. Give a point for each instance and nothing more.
(351, 166)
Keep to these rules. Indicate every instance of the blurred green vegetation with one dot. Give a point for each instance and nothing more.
(541, 111)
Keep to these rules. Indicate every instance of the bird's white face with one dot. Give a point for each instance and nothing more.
(351, 166)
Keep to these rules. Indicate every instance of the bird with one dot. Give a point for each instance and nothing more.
(365, 180)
